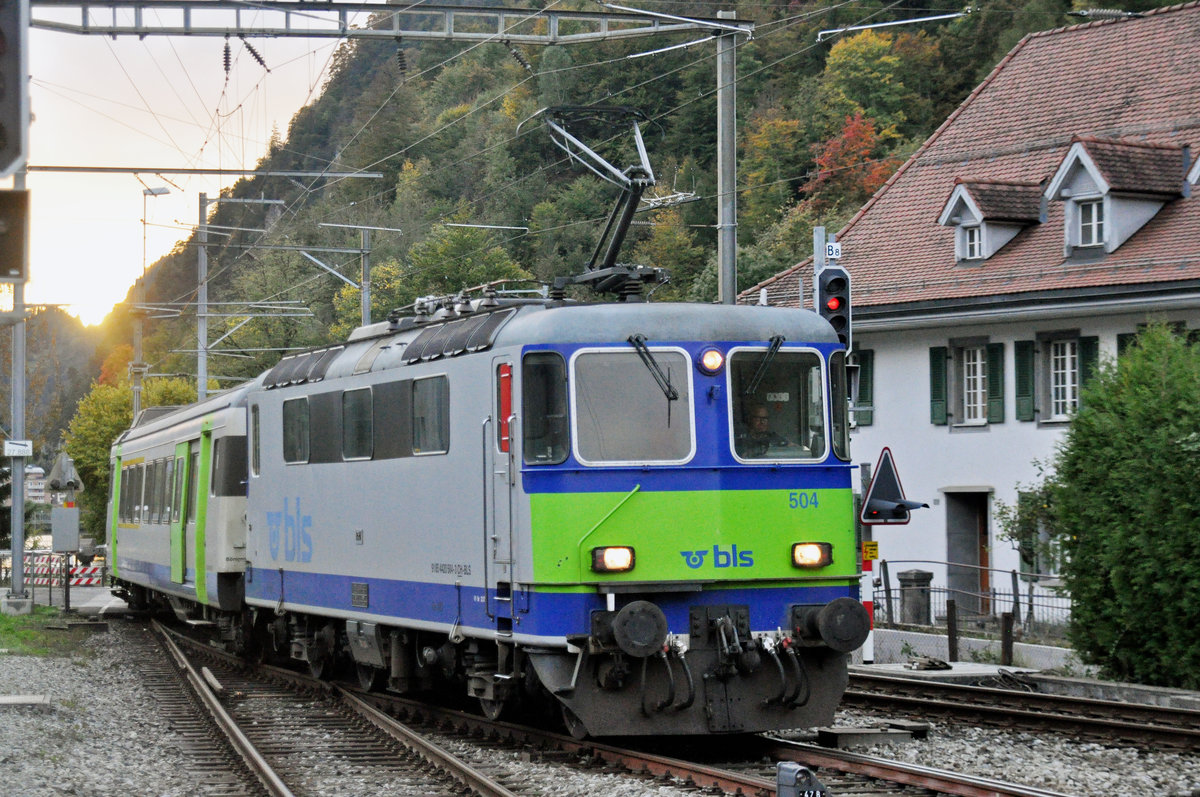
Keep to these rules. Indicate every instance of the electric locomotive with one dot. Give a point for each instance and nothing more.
(527, 498)
(639, 514)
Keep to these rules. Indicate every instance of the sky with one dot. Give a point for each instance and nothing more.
(158, 102)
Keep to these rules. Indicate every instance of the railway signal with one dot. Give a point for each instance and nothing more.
(833, 300)
(14, 85)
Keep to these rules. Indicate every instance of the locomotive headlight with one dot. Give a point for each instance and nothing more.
(612, 559)
(812, 554)
(711, 361)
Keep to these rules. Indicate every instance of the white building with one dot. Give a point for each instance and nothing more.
(1044, 222)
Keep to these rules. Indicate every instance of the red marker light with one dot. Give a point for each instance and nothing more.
(833, 303)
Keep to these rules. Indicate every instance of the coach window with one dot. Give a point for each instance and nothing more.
(136, 494)
(778, 404)
(356, 424)
(431, 415)
(254, 437)
(168, 490)
(126, 491)
(178, 501)
(295, 430)
(630, 410)
(160, 492)
(148, 492)
(544, 408)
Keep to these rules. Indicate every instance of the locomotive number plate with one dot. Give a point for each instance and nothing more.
(360, 596)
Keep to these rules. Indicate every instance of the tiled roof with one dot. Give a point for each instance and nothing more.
(1137, 168)
(1006, 200)
(1130, 81)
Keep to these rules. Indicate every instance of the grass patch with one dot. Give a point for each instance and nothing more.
(30, 634)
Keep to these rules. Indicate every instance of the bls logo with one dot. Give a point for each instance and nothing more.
(731, 558)
(293, 531)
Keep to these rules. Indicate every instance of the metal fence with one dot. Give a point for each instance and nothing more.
(1027, 607)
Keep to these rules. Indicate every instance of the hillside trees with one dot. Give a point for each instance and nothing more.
(820, 126)
(450, 259)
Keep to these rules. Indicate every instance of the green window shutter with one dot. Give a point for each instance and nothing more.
(1024, 362)
(866, 388)
(1089, 359)
(995, 375)
(937, 385)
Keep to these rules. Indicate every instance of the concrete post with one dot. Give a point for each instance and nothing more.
(727, 164)
(202, 301)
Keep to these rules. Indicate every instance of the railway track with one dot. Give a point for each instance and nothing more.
(1105, 720)
(324, 741)
(212, 764)
(690, 766)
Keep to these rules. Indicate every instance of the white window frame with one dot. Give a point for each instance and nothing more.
(1062, 368)
(1091, 231)
(973, 385)
(689, 408)
(973, 242)
(825, 390)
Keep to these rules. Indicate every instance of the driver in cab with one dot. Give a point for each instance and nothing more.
(758, 437)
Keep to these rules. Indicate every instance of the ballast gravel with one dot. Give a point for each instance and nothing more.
(101, 734)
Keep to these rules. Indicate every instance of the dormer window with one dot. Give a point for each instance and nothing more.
(972, 243)
(1091, 222)
(1111, 188)
(987, 214)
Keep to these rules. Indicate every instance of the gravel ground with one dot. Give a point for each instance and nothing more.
(1054, 763)
(102, 736)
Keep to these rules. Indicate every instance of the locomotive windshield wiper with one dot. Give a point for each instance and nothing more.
(664, 382)
(776, 342)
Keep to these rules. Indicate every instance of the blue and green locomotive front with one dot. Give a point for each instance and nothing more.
(705, 575)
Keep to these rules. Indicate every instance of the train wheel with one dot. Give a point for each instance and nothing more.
(370, 678)
(322, 653)
(492, 709)
(575, 726)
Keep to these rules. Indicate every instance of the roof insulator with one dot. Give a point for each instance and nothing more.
(519, 57)
(254, 53)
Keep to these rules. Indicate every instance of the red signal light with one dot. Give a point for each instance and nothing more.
(833, 303)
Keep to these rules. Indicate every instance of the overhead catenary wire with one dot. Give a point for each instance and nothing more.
(503, 94)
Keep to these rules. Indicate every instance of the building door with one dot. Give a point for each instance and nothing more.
(967, 551)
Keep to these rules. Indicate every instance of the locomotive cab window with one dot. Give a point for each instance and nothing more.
(778, 404)
(295, 430)
(632, 410)
(544, 408)
(431, 415)
(356, 424)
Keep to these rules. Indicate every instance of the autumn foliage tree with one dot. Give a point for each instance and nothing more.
(852, 165)
(115, 368)
(100, 417)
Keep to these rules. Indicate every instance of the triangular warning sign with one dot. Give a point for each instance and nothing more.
(884, 502)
